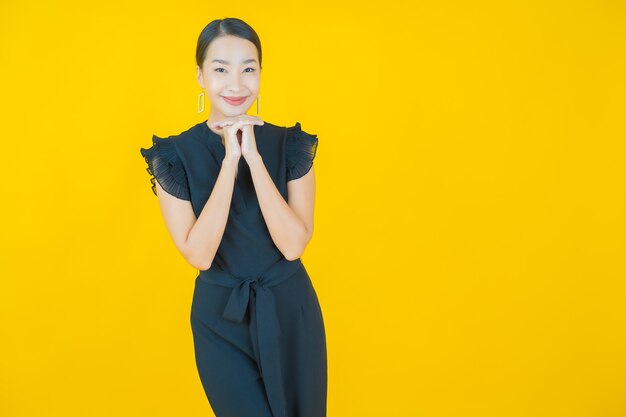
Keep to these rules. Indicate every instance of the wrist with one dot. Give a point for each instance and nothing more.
(229, 166)
(254, 159)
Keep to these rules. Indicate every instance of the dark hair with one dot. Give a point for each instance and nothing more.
(224, 27)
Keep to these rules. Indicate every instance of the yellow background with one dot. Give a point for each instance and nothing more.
(470, 235)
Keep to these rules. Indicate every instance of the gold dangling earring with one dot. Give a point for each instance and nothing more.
(258, 104)
(201, 100)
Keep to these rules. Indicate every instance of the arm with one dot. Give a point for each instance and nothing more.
(290, 223)
(198, 239)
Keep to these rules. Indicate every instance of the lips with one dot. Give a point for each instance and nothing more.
(235, 101)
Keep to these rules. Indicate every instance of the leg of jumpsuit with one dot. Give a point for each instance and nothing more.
(229, 375)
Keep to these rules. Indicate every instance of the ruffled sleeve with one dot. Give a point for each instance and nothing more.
(300, 148)
(165, 165)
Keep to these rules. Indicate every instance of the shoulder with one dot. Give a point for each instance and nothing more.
(290, 130)
(295, 133)
(270, 130)
(192, 134)
(186, 142)
(164, 165)
(300, 150)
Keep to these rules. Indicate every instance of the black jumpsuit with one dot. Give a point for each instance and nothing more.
(257, 325)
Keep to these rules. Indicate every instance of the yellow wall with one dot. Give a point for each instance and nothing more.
(469, 239)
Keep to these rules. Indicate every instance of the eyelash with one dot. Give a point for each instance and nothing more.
(216, 69)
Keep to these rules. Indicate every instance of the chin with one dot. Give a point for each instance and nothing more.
(235, 113)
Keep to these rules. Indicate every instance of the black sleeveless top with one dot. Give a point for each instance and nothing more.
(187, 166)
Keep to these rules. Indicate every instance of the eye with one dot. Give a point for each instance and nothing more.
(216, 69)
(250, 68)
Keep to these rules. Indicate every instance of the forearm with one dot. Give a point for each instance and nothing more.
(286, 229)
(206, 234)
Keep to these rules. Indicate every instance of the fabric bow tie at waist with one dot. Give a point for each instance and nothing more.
(264, 325)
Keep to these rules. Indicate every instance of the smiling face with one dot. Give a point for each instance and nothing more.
(230, 70)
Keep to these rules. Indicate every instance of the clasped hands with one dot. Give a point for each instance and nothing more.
(238, 134)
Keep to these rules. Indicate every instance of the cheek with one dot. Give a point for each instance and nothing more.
(254, 84)
(215, 86)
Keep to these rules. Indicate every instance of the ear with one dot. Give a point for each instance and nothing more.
(199, 76)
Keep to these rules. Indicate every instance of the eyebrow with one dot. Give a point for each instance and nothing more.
(221, 61)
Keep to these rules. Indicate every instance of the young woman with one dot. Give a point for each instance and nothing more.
(237, 196)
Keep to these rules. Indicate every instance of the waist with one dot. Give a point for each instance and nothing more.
(280, 271)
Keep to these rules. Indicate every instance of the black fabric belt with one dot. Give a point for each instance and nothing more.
(264, 325)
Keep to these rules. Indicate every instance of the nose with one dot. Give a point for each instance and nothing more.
(235, 82)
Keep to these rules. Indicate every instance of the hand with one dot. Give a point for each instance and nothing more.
(239, 136)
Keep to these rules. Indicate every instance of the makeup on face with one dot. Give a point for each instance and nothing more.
(235, 101)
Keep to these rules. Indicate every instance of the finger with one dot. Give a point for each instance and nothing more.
(234, 127)
(225, 124)
(222, 122)
(228, 120)
(231, 121)
(254, 120)
(239, 124)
